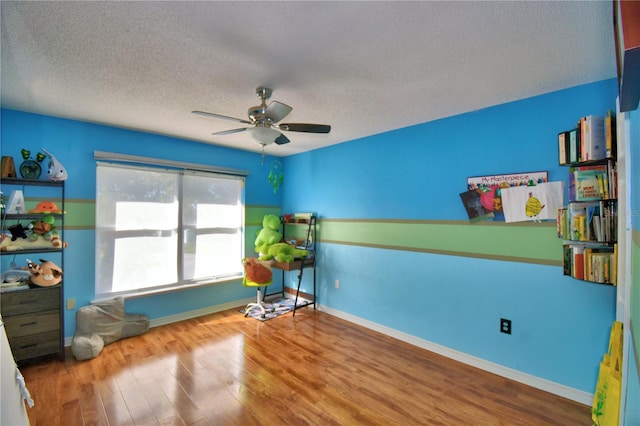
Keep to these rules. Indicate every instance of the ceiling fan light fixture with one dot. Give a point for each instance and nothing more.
(263, 117)
(264, 135)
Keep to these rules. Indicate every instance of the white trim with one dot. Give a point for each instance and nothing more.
(518, 376)
(625, 238)
(199, 312)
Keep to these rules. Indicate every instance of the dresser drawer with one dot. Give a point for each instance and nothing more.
(33, 323)
(31, 300)
(35, 345)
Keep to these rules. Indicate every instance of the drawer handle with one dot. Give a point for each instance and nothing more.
(28, 323)
(29, 346)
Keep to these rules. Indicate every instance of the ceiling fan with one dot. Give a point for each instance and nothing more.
(264, 119)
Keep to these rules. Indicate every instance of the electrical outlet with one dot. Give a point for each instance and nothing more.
(337, 283)
(71, 304)
(505, 326)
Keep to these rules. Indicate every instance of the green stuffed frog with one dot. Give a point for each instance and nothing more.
(269, 234)
(283, 252)
(268, 243)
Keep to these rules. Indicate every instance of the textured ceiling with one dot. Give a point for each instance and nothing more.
(363, 67)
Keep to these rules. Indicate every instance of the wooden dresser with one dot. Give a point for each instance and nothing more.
(33, 321)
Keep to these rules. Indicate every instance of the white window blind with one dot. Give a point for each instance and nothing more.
(161, 229)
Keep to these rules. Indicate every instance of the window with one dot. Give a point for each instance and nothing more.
(159, 229)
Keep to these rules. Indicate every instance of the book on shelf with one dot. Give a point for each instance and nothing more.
(588, 223)
(568, 147)
(610, 135)
(593, 138)
(577, 269)
(563, 148)
(594, 221)
(590, 263)
(574, 146)
(598, 264)
(612, 177)
(599, 269)
(303, 215)
(561, 222)
(592, 182)
(567, 260)
(588, 186)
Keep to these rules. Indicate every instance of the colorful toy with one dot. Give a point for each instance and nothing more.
(47, 274)
(256, 271)
(30, 169)
(18, 231)
(56, 170)
(269, 234)
(283, 252)
(46, 229)
(276, 176)
(46, 207)
(41, 227)
(27, 243)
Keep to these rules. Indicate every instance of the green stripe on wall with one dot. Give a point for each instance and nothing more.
(81, 214)
(527, 242)
(254, 214)
(523, 242)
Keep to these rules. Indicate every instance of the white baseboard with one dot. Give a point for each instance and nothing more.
(199, 312)
(518, 376)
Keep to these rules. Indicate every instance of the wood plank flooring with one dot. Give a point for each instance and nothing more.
(311, 369)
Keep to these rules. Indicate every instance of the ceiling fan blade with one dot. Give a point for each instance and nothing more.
(230, 132)
(276, 111)
(223, 117)
(281, 140)
(304, 127)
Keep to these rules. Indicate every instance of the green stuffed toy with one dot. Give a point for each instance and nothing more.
(283, 252)
(268, 242)
(269, 234)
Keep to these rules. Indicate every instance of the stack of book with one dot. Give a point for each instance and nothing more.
(592, 139)
(593, 182)
(595, 264)
(595, 221)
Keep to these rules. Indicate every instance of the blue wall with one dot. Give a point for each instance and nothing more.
(74, 143)
(560, 325)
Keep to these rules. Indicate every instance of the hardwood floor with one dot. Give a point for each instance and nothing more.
(311, 369)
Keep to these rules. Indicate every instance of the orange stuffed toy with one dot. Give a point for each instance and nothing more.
(46, 207)
(257, 272)
(46, 274)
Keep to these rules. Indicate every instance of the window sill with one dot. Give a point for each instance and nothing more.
(138, 294)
